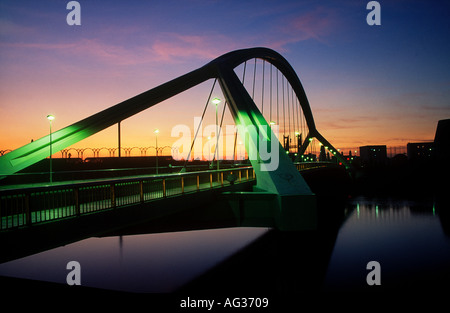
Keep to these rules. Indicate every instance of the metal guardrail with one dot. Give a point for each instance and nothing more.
(38, 204)
(32, 205)
(312, 165)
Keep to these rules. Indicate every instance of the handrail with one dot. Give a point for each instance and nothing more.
(56, 185)
(21, 207)
(29, 205)
(81, 183)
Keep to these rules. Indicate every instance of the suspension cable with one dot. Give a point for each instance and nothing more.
(278, 111)
(254, 78)
(284, 114)
(198, 128)
(262, 93)
(294, 118)
(270, 83)
(220, 129)
(289, 116)
(299, 121)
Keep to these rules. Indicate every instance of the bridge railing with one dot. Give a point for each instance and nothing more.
(32, 205)
(301, 166)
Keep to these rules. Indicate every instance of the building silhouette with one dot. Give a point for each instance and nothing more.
(442, 140)
(373, 155)
(421, 151)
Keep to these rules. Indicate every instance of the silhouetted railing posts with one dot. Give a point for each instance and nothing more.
(141, 191)
(76, 192)
(32, 205)
(164, 187)
(113, 195)
(27, 209)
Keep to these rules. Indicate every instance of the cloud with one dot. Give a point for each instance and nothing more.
(38, 45)
(169, 47)
(314, 24)
(110, 53)
(435, 108)
(317, 24)
(11, 29)
(84, 48)
(350, 122)
(273, 31)
(173, 46)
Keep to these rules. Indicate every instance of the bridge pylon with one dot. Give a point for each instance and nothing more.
(288, 202)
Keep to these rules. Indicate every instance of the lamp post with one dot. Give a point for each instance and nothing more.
(240, 151)
(50, 118)
(156, 131)
(209, 148)
(216, 101)
(297, 135)
(118, 137)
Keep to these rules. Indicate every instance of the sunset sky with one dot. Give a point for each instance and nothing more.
(387, 84)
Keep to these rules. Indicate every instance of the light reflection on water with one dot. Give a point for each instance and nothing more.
(405, 237)
(138, 263)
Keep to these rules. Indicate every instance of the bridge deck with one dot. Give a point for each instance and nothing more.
(28, 204)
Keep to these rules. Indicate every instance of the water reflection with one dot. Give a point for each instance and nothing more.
(138, 263)
(405, 237)
(153, 257)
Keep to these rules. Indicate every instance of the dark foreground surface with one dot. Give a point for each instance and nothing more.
(324, 269)
(292, 270)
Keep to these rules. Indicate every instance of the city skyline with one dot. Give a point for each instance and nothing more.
(366, 85)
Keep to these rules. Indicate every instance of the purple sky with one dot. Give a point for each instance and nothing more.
(386, 84)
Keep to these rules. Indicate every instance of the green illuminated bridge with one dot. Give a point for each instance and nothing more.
(266, 101)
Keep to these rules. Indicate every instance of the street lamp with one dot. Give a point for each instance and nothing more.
(297, 135)
(216, 101)
(50, 118)
(240, 151)
(209, 148)
(156, 131)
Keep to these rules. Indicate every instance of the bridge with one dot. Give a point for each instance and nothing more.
(271, 189)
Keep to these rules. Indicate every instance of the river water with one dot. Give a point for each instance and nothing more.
(408, 238)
